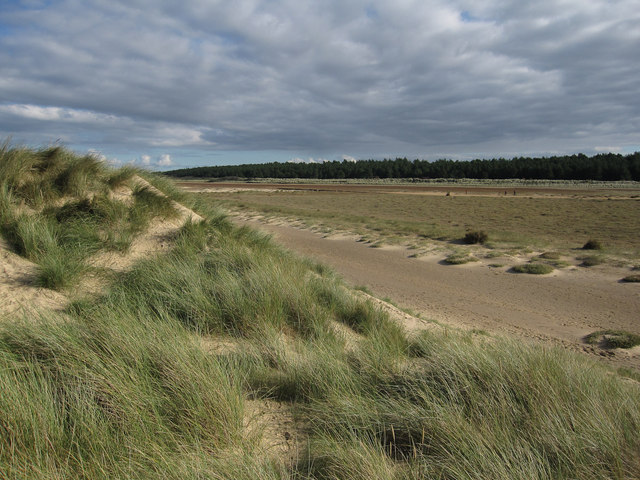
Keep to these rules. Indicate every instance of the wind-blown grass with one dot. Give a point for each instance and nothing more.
(477, 410)
(56, 210)
(120, 386)
(109, 398)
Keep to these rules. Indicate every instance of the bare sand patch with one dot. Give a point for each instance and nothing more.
(560, 308)
(281, 436)
(18, 291)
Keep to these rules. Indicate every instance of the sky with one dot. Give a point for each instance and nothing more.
(167, 84)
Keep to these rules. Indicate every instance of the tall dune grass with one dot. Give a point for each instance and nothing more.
(120, 386)
(496, 409)
(55, 210)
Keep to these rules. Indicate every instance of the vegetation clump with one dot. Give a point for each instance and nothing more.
(460, 258)
(476, 236)
(533, 268)
(632, 278)
(57, 209)
(613, 339)
(593, 244)
(592, 261)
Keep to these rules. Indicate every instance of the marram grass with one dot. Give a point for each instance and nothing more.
(56, 210)
(120, 386)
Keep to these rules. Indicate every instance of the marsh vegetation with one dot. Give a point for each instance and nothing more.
(555, 222)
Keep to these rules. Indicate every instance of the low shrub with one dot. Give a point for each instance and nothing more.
(593, 245)
(613, 339)
(533, 268)
(592, 261)
(473, 237)
(632, 278)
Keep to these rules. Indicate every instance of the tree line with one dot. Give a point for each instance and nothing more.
(603, 167)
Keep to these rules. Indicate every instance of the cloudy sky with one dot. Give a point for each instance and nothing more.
(202, 82)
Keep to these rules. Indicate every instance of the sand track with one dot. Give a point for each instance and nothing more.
(560, 308)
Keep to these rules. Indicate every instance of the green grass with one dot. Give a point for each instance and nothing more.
(120, 386)
(533, 268)
(450, 407)
(613, 339)
(56, 210)
(459, 258)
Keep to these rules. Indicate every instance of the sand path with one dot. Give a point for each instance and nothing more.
(561, 307)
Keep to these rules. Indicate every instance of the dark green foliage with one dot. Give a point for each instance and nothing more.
(613, 339)
(476, 236)
(593, 244)
(603, 167)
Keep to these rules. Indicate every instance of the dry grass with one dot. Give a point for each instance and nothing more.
(558, 222)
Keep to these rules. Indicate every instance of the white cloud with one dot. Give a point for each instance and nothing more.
(608, 149)
(302, 160)
(164, 160)
(145, 160)
(349, 158)
(55, 114)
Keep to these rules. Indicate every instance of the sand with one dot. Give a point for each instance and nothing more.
(18, 290)
(559, 308)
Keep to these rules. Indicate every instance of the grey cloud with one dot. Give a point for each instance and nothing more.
(334, 76)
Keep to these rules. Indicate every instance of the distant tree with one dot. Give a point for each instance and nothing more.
(608, 167)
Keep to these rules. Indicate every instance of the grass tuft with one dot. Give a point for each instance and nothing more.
(593, 244)
(477, 236)
(592, 261)
(613, 339)
(459, 258)
(533, 268)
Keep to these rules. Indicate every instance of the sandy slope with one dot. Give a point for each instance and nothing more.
(17, 275)
(17, 286)
(561, 308)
